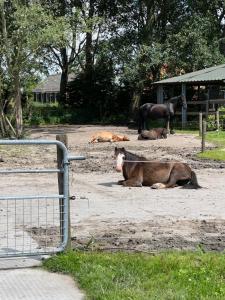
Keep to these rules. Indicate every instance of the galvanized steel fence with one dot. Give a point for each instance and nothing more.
(35, 224)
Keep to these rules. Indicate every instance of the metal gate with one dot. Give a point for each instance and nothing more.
(35, 224)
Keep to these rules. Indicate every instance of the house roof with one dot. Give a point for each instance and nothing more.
(213, 74)
(51, 84)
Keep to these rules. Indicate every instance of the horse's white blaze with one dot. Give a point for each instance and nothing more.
(119, 162)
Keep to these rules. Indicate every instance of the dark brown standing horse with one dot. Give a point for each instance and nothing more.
(165, 111)
(138, 171)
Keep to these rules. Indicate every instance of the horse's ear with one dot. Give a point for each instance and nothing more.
(123, 149)
(115, 148)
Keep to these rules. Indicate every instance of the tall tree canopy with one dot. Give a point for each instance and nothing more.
(26, 29)
(116, 49)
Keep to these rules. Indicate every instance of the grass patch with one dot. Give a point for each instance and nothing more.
(217, 138)
(187, 131)
(120, 276)
(217, 154)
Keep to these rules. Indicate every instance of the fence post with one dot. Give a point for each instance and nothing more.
(218, 120)
(203, 134)
(207, 109)
(64, 139)
(200, 123)
(184, 118)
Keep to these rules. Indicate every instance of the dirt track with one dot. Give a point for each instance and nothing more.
(105, 214)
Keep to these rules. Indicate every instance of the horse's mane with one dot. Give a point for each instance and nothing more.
(173, 99)
(132, 156)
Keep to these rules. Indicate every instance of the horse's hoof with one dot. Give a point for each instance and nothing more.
(120, 182)
(158, 185)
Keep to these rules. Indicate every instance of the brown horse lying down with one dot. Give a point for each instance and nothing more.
(153, 134)
(107, 136)
(138, 171)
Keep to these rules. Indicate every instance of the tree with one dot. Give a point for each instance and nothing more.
(66, 55)
(195, 46)
(26, 28)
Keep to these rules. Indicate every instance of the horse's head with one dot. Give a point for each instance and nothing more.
(164, 133)
(119, 154)
(179, 100)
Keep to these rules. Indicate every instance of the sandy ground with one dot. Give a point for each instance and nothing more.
(106, 215)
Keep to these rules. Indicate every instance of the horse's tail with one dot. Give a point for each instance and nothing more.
(194, 181)
(140, 121)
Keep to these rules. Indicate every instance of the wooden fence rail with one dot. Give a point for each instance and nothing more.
(208, 107)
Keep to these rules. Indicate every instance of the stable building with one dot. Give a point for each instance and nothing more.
(204, 90)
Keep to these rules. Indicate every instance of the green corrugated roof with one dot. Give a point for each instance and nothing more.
(216, 73)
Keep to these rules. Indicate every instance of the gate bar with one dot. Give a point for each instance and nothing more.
(10, 171)
(30, 197)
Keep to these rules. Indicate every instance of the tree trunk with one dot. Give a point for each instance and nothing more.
(18, 107)
(136, 100)
(88, 53)
(134, 107)
(88, 45)
(64, 77)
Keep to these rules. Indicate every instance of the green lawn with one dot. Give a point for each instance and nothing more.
(187, 131)
(118, 276)
(217, 154)
(217, 138)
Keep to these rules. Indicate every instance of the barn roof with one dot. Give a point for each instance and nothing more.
(213, 74)
(51, 84)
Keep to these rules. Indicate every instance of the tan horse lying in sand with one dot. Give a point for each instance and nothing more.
(107, 136)
(138, 171)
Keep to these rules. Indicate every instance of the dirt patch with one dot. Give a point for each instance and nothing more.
(157, 235)
(45, 237)
(153, 235)
(105, 215)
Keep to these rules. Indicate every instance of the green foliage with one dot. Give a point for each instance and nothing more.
(101, 100)
(29, 30)
(139, 69)
(35, 28)
(195, 46)
(140, 276)
(25, 31)
(112, 47)
(44, 114)
(211, 123)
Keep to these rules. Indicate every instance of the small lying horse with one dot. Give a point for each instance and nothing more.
(138, 171)
(153, 134)
(107, 136)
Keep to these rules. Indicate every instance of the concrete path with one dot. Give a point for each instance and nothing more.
(37, 284)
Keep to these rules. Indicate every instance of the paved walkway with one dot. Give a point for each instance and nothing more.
(36, 284)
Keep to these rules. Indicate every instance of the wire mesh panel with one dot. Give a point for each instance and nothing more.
(33, 220)
(30, 226)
